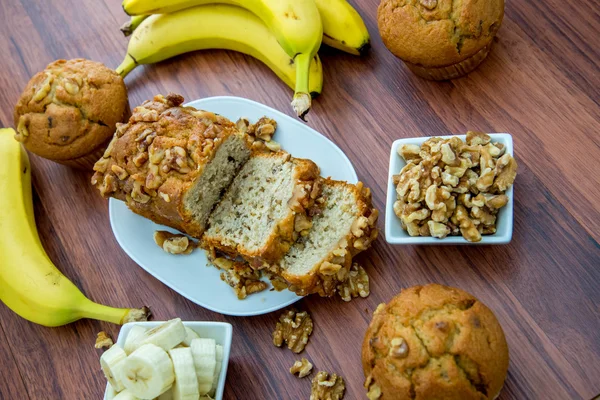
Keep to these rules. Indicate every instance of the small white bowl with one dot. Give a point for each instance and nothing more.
(394, 234)
(220, 331)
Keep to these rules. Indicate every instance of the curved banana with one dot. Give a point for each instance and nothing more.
(295, 23)
(343, 27)
(222, 27)
(30, 284)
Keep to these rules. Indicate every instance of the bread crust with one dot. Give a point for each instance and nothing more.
(306, 190)
(143, 168)
(318, 280)
(454, 347)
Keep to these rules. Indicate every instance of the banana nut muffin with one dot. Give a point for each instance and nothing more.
(440, 39)
(68, 112)
(433, 342)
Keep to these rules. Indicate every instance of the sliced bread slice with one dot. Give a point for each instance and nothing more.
(266, 201)
(343, 226)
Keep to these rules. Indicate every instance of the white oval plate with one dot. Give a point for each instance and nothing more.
(190, 275)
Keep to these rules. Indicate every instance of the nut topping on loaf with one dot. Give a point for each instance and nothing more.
(171, 163)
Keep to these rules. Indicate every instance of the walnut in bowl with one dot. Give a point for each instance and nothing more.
(438, 195)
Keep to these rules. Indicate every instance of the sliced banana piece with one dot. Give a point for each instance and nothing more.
(186, 383)
(219, 364)
(205, 360)
(110, 393)
(168, 395)
(191, 335)
(131, 340)
(125, 395)
(111, 363)
(165, 336)
(147, 372)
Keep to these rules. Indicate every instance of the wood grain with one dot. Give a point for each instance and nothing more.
(541, 83)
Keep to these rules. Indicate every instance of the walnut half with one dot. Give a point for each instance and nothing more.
(327, 386)
(357, 284)
(103, 341)
(174, 243)
(293, 328)
(302, 368)
(240, 276)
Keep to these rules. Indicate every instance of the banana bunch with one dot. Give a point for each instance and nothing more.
(283, 34)
(30, 284)
(170, 361)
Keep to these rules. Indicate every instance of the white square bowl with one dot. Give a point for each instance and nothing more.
(220, 331)
(394, 234)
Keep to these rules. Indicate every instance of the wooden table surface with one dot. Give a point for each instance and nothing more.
(541, 83)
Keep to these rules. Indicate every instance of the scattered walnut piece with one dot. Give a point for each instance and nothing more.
(357, 284)
(103, 341)
(244, 279)
(449, 187)
(293, 328)
(302, 368)
(261, 132)
(327, 386)
(278, 283)
(174, 243)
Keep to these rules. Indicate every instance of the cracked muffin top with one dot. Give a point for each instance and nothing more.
(437, 33)
(70, 108)
(431, 342)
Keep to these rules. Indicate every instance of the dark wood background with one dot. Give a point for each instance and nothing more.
(541, 83)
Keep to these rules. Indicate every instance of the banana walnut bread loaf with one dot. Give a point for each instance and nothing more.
(171, 164)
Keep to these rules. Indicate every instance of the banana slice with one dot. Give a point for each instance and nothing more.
(147, 372)
(191, 335)
(131, 340)
(111, 362)
(165, 336)
(125, 395)
(205, 360)
(186, 383)
(110, 393)
(168, 395)
(219, 361)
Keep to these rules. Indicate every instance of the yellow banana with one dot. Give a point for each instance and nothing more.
(213, 27)
(295, 23)
(343, 28)
(30, 284)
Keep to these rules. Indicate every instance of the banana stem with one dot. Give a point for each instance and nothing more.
(126, 66)
(92, 310)
(301, 102)
(128, 27)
